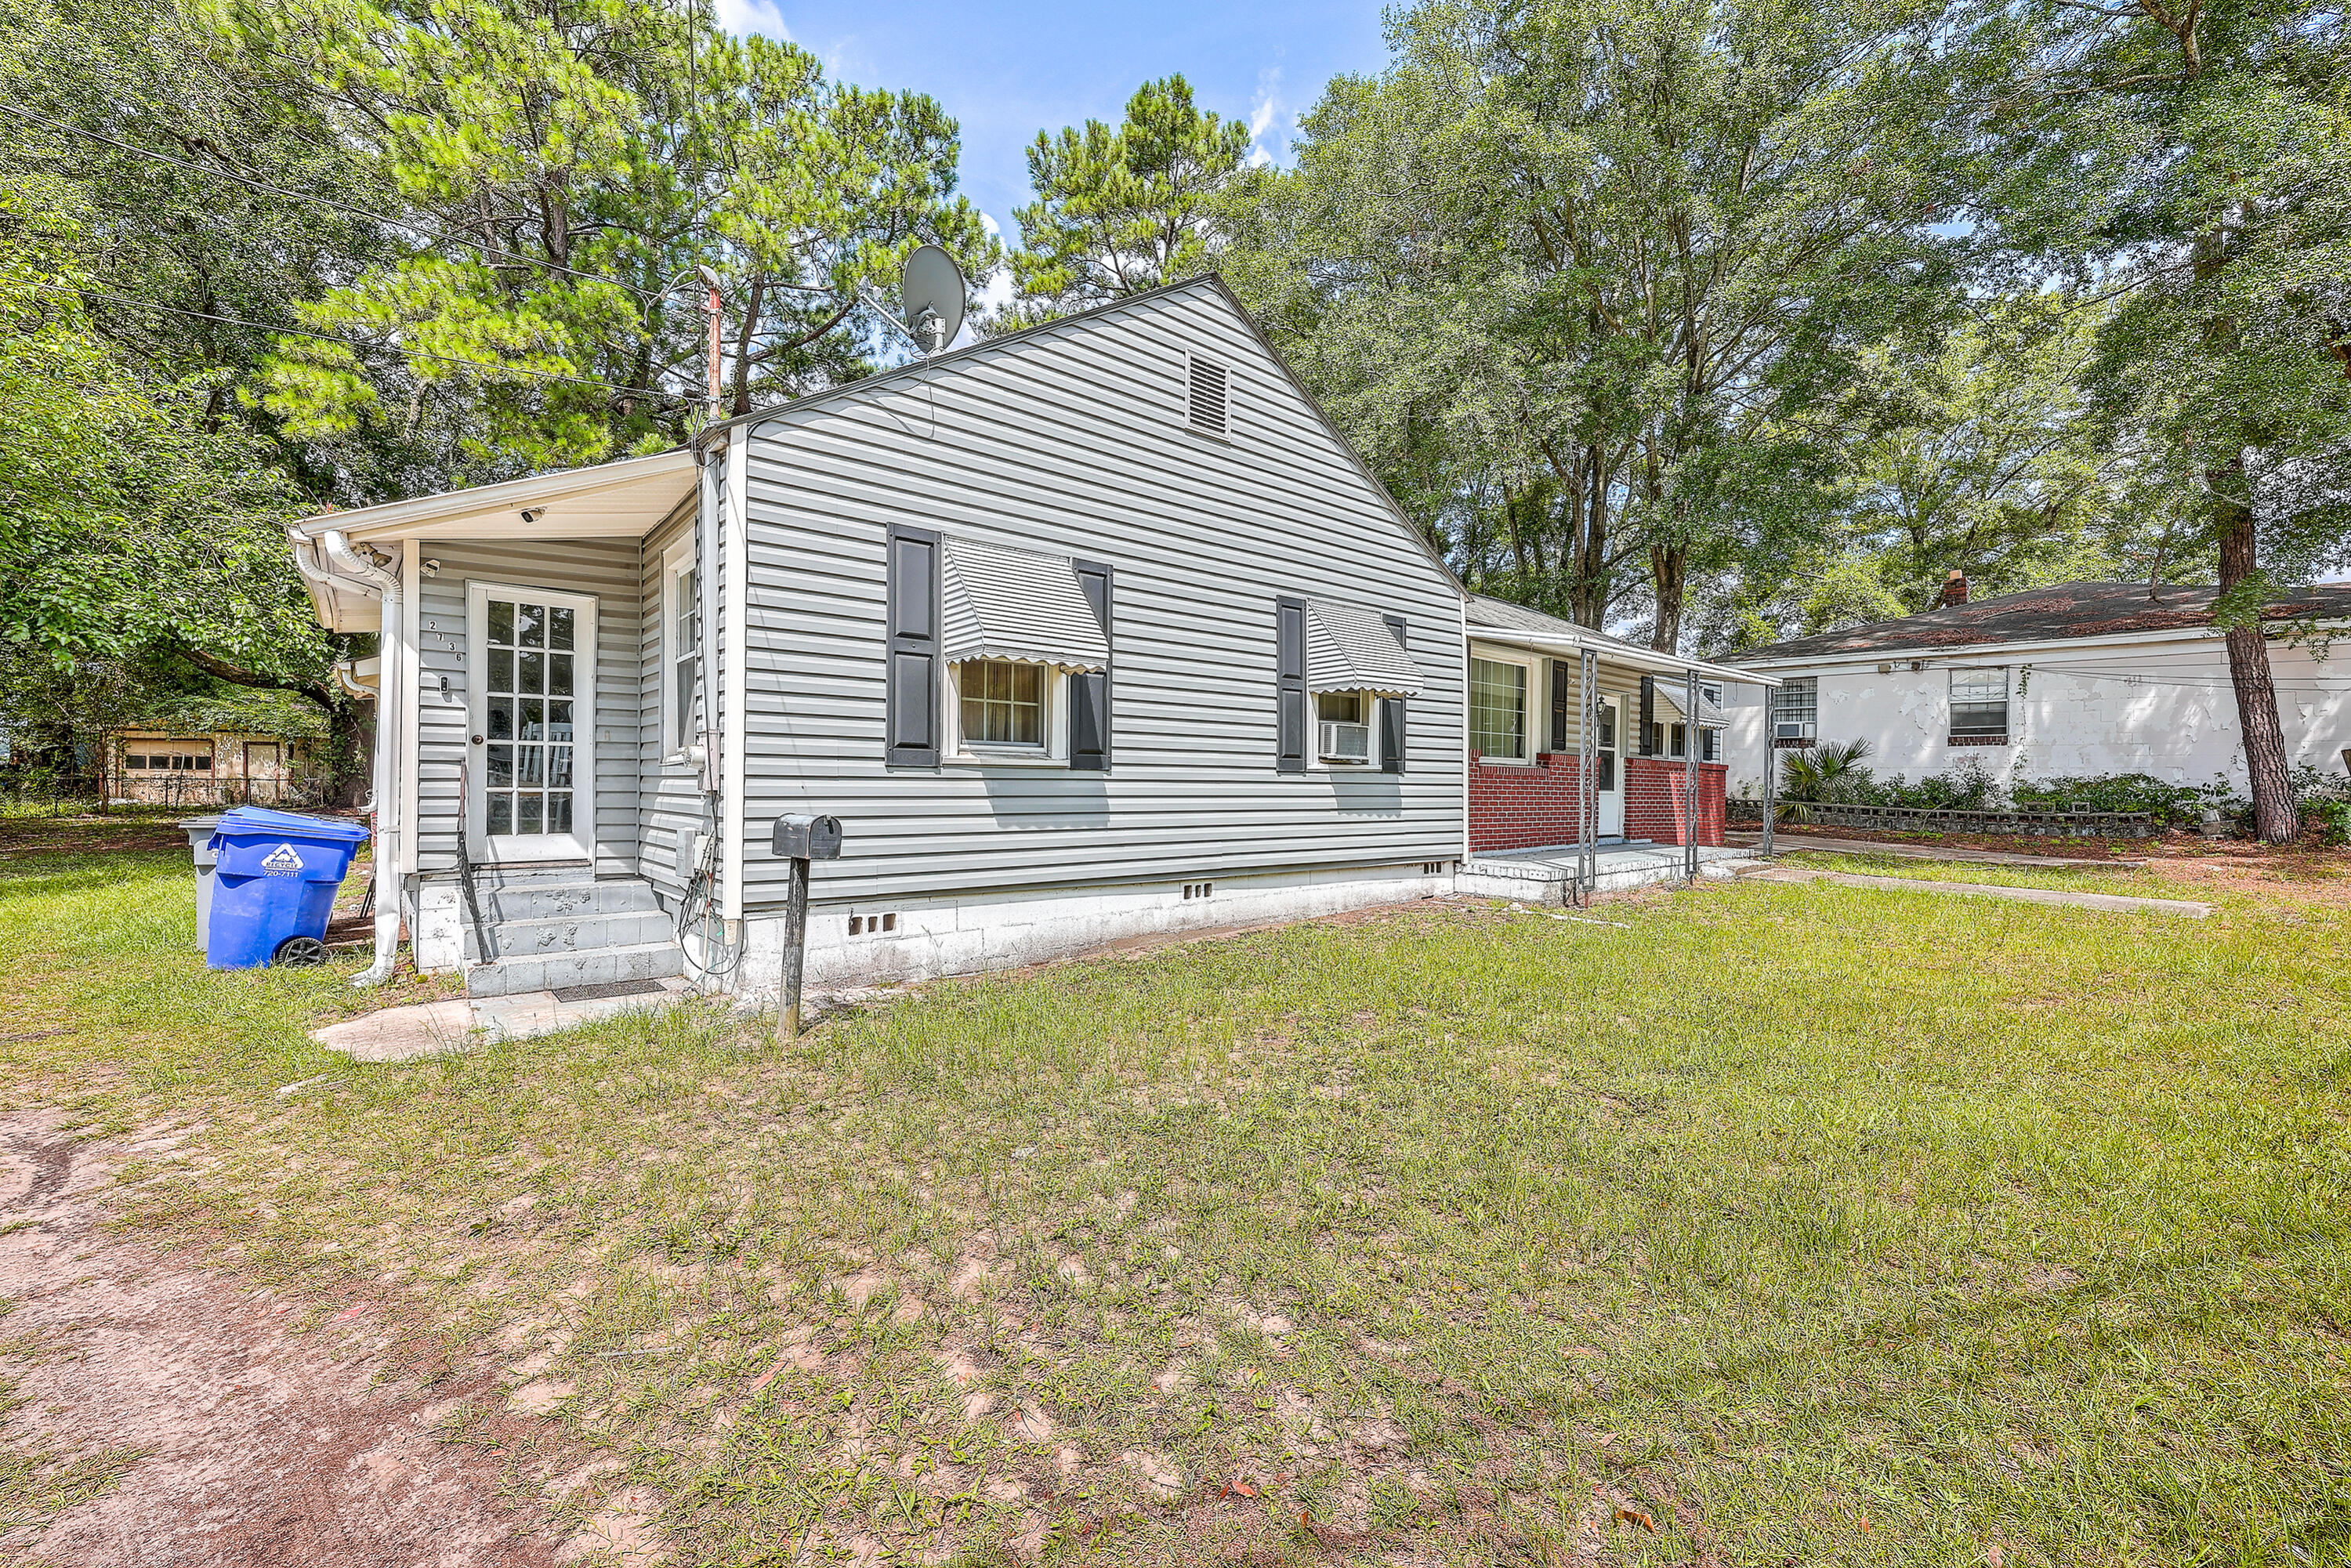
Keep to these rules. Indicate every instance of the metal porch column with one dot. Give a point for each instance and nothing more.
(1587, 787)
(1689, 774)
(1770, 773)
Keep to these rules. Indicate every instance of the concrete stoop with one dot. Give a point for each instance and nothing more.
(461, 1023)
(556, 928)
(1545, 874)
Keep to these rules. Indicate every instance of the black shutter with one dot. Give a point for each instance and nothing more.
(1392, 712)
(914, 650)
(1290, 686)
(1559, 704)
(1089, 694)
(1648, 716)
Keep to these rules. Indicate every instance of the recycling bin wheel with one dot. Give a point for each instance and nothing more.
(299, 953)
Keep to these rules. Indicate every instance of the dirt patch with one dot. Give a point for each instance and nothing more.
(245, 1441)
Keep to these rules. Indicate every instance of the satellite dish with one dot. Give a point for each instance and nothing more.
(932, 292)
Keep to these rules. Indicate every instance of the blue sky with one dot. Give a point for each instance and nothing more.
(1008, 72)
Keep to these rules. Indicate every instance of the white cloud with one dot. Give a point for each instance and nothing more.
(745, 17)
(1264, 112)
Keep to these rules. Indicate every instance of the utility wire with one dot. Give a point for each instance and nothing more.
(355, 343)
(346, 208)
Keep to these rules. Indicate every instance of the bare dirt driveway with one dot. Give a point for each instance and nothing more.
(236, 1438)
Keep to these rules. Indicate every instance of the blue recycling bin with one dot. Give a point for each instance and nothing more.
(274, 878)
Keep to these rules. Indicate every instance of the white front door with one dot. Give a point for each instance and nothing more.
(531, 770)
(1605, 763)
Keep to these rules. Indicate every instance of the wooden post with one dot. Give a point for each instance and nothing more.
(788, 1021)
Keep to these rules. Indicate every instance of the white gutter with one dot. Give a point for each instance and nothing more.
(348, 564)
(1638, 658)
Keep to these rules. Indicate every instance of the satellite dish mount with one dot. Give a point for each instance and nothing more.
(932, 292)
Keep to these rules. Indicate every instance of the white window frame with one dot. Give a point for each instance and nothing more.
(1526, 662)
(1979, 675)
(963, 753)
(1372, 756)
(677, 566)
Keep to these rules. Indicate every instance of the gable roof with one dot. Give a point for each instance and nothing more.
(2066, 609)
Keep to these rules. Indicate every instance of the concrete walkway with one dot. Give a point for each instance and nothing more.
(1785, 842)
(2113, 902)
(460, 1023)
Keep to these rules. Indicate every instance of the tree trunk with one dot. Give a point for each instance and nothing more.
(1668, 568)
(2274, 821)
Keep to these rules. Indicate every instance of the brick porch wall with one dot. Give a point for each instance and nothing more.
(1515, 808)
(1655, 788)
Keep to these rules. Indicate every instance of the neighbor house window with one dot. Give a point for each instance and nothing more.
(1709, 742)
(1795, 712)
(685, 654)
(1001, 704)
(1979, 707)
(1498, 709)
(1343, 728)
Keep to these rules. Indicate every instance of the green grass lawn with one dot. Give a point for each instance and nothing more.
(1807, 1224)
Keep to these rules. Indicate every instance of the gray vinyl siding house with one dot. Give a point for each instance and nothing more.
(1068, 655)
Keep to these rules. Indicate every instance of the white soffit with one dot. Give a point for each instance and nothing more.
(611, 500)
(1352, 650)
(1021, 605)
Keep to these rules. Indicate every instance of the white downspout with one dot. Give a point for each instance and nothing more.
(736, 653)
(390, 673)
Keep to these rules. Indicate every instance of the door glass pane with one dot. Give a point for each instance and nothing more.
(528, 813)
(528, 765)
(501, 812)
(501, 669)
(502, 725)
(559, 810)
(530, 625)
(558, 767)
(502, 767)
(501, 621)
(533, 718)
(559, 628)
(530, 678)
(531, 672)
(558, 675)
(559, 721)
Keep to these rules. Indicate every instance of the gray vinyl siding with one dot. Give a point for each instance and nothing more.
(609, 569)
(1074, 441)
(669, 795)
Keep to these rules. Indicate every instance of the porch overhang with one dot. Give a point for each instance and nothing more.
(1611, 652)
(611, 500)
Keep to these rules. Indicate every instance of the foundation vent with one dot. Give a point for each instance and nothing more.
(872, 925)
(1196, 890)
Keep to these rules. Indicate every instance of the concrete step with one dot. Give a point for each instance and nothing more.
(598, 967)
(551, 901)
(571, 933)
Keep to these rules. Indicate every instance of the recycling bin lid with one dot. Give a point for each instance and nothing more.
(256, 820)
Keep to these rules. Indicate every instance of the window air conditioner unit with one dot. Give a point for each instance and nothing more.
(1340, 742)
(1792, 730)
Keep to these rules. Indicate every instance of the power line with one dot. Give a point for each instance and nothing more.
(436, 235)
(355, 343)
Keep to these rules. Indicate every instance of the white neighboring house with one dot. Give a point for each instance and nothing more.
(1088, 631)
(2079, 679)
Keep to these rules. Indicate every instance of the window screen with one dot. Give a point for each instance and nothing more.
(1979, 708)
(1003, 703)
(1498, 708)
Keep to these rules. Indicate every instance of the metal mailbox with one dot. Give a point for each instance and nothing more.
(803, 838)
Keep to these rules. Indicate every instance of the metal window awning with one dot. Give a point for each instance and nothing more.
(1352, 650)
(1021, 605)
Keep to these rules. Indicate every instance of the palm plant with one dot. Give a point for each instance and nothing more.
(1822, 775)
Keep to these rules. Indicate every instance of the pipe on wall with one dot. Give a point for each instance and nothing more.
(391, 673)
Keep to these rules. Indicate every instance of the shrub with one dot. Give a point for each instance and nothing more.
(2172, 805)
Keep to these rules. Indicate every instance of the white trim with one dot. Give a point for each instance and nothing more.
(677, 562)
(2010, 653)
(407, 788)
(1524, 661)
(581, 842)
(736, 631)
(561, 497)
(1608, 805)
(1054, 753)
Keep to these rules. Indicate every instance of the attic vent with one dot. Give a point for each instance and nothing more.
(1210, 404)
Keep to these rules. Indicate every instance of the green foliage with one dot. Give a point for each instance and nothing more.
(2172, 805)
(1118, 211)
(1828, 774)
(1591, 282)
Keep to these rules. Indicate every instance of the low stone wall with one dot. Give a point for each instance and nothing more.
(1920, 820)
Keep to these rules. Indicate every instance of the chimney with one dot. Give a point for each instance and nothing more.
(1955, 591)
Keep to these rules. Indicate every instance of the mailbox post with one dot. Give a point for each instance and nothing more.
(799, 839)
